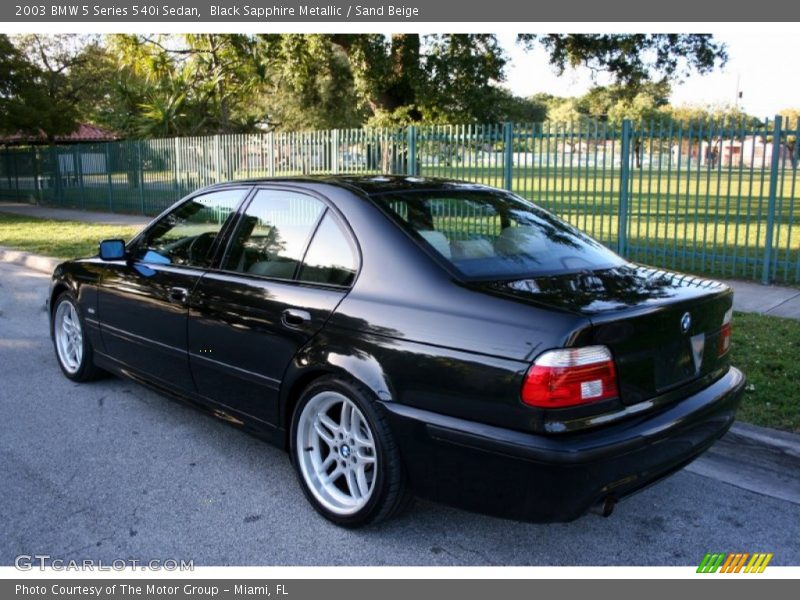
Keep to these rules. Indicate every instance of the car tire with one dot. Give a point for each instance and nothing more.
(346, 459)
(74, 351)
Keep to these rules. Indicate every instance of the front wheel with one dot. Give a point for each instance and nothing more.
(73, 348)
(345, 456)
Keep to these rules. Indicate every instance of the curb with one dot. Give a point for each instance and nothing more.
(45, 264)
(782, 442)
(760, 460)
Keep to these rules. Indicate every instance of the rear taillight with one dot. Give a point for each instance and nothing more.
(569, 377)
(724, 343)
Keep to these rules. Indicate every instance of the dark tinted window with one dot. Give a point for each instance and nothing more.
(330, 258)
(186, 235)
(273, 234)
(487, 234)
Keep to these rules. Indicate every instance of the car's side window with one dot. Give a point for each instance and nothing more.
(186, 235)
(273, 234)
(330, 258)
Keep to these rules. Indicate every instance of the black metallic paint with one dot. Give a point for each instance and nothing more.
(525, 476)
(240, 343)
(142, 325)
(445, 357)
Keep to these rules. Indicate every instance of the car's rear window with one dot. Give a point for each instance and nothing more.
(492, 234)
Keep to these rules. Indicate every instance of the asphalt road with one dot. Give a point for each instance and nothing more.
(110, 470)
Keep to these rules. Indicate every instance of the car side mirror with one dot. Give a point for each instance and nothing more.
(112, 249)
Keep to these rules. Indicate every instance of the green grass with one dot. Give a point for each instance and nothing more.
(61, 239)
(767, 350)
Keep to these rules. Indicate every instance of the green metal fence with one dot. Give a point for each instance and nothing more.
(714, 198)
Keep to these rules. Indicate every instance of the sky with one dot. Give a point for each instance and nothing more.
(764, 65)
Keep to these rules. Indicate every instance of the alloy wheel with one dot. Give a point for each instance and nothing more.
(69, 337)
(336, 452)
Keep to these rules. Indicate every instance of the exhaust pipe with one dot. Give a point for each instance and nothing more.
(604, 507)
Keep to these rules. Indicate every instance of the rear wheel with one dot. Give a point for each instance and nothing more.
(345, 456)
(73, 349)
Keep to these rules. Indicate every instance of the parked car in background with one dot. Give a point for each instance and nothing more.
(410, 336)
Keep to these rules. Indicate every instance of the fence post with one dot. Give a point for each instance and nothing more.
(335, 151)
(140, 175)
(624, 181)
(6, 166)
(36, 175)
(411, 155)
(56, 173)
(6, 170)
(271, 153)
(508, 161)
(110, 181)
(177, 164)
(16, 176)
(76, 157)
(218, 158)
(773, 193)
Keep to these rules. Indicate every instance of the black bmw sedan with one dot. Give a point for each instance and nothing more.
(407, 336)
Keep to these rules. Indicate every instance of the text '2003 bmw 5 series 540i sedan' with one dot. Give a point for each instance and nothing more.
(411, 336)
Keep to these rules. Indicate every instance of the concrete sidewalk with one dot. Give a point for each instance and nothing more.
(71, 214)
(749, 296)
(774, 300)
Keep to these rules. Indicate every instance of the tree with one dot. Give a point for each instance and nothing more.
(717, 113)
(791, 124)
(567, 111)
(641, 108)
(14, 77)
(610, 103)
(791, 118)
(459, 79)
(189, 84)
(454, 77)
(311, 84)
(214, 83)
(161, 85)
(405, 77)
(54, 83)
(518, 110)
(616, 102)
(633, 59)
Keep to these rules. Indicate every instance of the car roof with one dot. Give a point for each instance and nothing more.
(369, 184)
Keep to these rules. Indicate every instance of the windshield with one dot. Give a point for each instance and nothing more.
(492, 234)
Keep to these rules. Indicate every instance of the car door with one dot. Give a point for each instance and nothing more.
(143, 300)
(289, 263)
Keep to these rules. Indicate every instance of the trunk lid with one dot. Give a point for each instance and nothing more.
(663, 328)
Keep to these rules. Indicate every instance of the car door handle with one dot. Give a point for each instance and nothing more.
(178, 294)
(294, 317)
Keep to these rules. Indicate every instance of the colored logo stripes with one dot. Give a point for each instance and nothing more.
(735, 562)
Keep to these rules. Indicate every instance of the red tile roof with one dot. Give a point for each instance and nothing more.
(83, 133)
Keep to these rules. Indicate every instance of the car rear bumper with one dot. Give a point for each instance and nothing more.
(532, 477)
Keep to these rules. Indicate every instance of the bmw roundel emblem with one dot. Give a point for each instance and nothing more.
(686, 322)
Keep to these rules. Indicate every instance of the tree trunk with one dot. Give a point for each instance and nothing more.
(395, 86)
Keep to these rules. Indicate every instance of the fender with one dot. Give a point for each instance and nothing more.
(61, 281)
(326, 354)
(80, 279)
